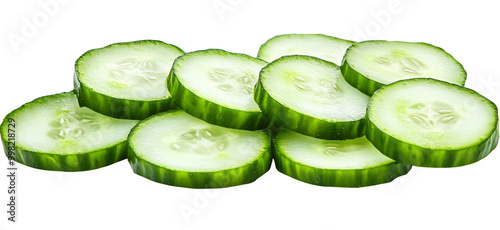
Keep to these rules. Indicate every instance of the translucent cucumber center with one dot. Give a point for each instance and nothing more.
(236, 82)
(72, 125)
(136, 72)
(205, 141)
(400, 61)
(433, 116)
(333, 149)
(323, 90)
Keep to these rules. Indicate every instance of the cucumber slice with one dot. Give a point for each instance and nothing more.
(370, 65)
(321, 46)
(427, 122)
(126, 80)
(178, 149)
(217, 86)
(309, 95)
(340, 163)
(54, 133)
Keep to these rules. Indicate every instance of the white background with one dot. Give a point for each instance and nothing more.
(115, 198)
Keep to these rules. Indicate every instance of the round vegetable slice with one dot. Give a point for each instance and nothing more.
(54, 133)
(309, 95)
(217, 87)
(328, 48)
(369, 65)
(340, 163)
(126, 80)
(178, 149)
(427, 122)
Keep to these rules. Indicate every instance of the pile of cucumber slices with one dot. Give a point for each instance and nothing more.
(329, 111)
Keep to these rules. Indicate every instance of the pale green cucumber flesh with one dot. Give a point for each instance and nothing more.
(328, 48)
(178, 149)
(218, 86)
(54, 133)
(342, 163)
(369, 65)
(126, 80)
(427, 122)
(310, 96)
